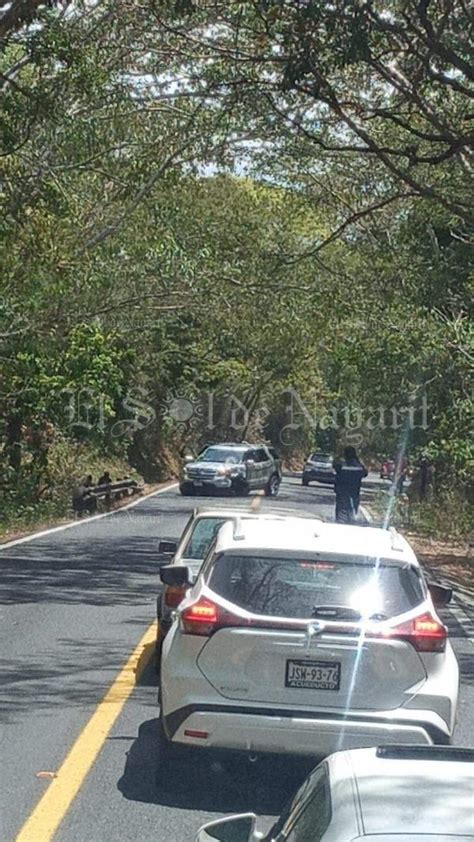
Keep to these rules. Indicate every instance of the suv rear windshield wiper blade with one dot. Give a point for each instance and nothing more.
(335, 611)
(342, 612)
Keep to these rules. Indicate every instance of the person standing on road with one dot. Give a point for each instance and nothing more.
(349, 475)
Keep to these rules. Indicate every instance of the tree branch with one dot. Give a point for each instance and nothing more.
(350, 221)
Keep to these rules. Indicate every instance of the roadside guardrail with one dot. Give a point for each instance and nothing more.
(85, 498)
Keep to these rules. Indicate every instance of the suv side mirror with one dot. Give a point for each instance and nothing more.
(188, 458)
(233, 829)
(250, 462)
(176, 574)
(167, 547)
(440, 595)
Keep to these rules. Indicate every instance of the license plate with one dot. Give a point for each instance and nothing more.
(198, 483)
(313, 675)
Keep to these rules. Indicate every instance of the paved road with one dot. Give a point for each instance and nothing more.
(74, 605)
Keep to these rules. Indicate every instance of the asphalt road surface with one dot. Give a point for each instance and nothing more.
(75, 603)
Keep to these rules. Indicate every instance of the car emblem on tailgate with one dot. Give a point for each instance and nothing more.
(312, 630)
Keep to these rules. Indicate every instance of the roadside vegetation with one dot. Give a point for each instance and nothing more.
(234, 220)
(447, 514)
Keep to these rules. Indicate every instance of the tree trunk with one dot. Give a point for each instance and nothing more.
(13, 441)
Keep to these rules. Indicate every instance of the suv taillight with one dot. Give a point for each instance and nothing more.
(205, 617)
(425, 633)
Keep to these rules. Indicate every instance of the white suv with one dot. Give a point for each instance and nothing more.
(307, 637)
(385, 794)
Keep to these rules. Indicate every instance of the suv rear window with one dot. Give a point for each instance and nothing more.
(294, 587)
(309, 814)
(204, 531)
(321, 457)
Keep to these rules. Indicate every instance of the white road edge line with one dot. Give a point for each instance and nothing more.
(64, 526)
(366, 514)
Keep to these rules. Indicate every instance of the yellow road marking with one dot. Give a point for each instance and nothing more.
(53, 806)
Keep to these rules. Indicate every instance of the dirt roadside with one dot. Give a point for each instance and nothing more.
(449, 560)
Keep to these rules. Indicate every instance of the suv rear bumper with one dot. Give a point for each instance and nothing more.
(299, 732)
(319, 476)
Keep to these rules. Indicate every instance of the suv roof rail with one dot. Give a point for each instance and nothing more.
(396, 539)
(398, 752)
(238, 533)
(286, 511)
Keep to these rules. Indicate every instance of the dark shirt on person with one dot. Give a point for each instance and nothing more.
(349, 476)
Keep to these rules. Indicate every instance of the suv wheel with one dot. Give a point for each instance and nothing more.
(273, 486)
(305, 481)
(187, 489)
(173, 759)
(158, 647)
(240, 488)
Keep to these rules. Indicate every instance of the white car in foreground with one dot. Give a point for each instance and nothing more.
(306, 637)
(387, 794)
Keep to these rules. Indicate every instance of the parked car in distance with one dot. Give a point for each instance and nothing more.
(385, 794)
(237, 468)
(191, 549)
(302, 637)
(318, 468)
(387, 469)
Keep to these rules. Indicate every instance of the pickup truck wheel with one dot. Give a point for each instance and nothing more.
(273, 486)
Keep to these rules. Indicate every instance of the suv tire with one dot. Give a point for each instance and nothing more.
(240, 488)
(171, 760)
(305, 481)
(273, 486)
(158, 647)
(187, 489)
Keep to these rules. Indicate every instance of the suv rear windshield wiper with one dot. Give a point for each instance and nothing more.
(342, 612)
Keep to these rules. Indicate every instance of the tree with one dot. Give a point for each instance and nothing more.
(349, 80)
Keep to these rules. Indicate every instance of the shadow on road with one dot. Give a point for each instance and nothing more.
(114, 561)
(466, 667)
(228, 785)
(101, 575)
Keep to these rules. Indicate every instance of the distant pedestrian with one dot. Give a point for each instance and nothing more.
(83, 500)
(425, 479)
(106, 479)
(401, 470)
(349, 475)
(88, 482)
